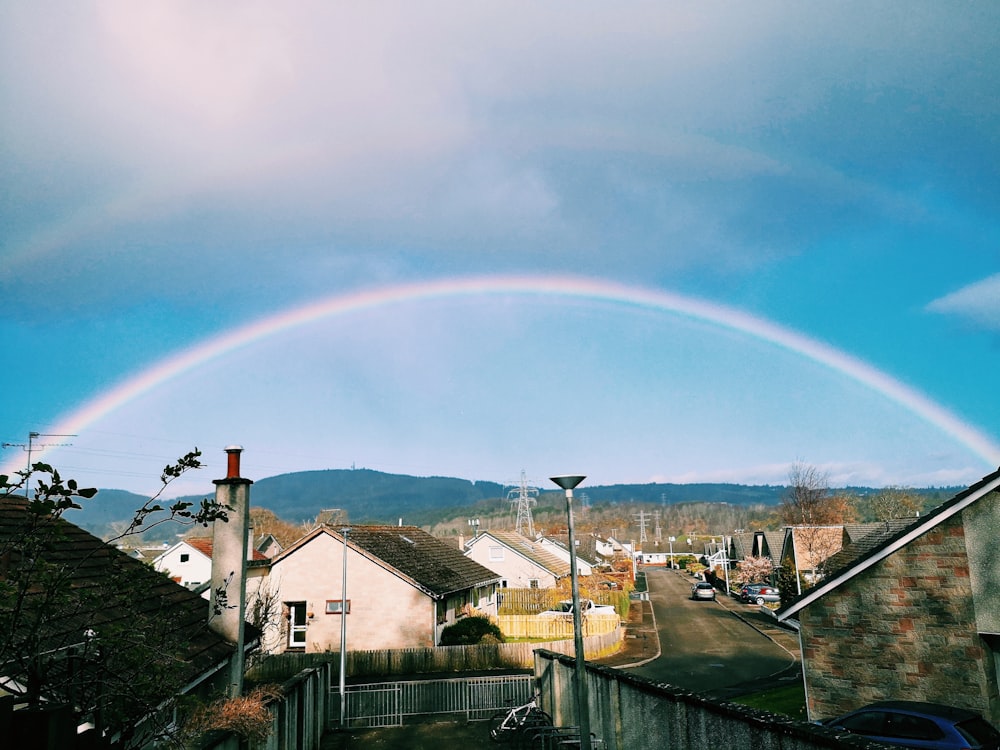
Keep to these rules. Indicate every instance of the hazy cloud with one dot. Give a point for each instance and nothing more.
(978, 303)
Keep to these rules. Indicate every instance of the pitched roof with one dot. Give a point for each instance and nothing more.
(531, 550)
(877, 546)
(100, 590)
(431, 564)
(205, 545)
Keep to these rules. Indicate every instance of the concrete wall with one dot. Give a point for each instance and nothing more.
(631, 713)
(905, 628)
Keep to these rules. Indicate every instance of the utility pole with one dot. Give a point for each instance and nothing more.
(31, 446)
(523, 497)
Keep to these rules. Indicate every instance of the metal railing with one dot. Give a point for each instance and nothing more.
(390, 704)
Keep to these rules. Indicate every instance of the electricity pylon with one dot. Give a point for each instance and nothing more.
(524, 496)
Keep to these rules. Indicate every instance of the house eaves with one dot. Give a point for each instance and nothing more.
(894, 543)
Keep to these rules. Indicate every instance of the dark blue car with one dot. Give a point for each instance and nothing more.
(920, 725)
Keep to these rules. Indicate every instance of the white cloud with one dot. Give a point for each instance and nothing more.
(978, 303)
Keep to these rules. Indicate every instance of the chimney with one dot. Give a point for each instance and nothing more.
(227, 600)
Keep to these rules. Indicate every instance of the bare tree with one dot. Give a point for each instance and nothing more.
(894, 502)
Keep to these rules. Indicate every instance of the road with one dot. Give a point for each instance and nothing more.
(712, 647)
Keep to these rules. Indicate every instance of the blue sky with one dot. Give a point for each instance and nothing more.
(173, 173)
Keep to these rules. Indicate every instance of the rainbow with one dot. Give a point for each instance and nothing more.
(557, 287)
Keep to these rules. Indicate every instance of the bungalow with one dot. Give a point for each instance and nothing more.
(909, 612)
(403, 586)
(520, 562)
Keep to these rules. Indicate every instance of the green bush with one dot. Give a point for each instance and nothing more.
(470, 631)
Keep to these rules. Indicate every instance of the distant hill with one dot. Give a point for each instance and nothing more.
(375, 497)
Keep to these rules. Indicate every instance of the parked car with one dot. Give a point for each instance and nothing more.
(748, 589)
(703, 590)
(922, 725)
(764, 594)
(587, 607)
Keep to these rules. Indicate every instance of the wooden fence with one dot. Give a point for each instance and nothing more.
(408, 661)
(554, 628)
(533, 601)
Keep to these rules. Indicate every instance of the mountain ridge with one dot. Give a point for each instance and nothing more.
(370, 496)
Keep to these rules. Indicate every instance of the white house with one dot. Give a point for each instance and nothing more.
(519, 561)
(189, 562)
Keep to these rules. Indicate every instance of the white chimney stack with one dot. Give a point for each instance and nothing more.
(227, 602)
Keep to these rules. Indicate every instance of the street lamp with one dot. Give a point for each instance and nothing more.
(343, 632)
(672, 540)
(568, 483)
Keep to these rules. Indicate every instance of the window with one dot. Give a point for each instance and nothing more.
(532, 583)
(338, 606)
(185, 557)
(296, 613)
(496, 553)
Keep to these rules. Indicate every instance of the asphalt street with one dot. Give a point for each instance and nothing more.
(722, 648)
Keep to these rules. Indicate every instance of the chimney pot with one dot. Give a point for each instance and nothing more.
(233, 468)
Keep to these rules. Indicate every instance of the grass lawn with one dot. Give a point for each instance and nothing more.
(789, 700)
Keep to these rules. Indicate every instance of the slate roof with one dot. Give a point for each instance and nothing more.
(431, 564)
(530, 549)
(586, 547)
(106, 589)
(891, 537)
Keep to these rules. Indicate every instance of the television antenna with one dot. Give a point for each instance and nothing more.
(31, 446)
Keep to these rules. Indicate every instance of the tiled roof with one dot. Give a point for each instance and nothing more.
(204, 545)
(107, 591)
(531, 550)
(875, 534)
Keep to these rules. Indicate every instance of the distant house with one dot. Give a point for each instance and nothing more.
(911, 610)
(403, 587)
(189, 562)
(519, 561)
(97, 630)
(806, 549)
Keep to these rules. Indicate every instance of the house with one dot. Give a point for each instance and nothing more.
(519, 561)
(403, 586)
(89, 625)
(189, 562)
(806, 549)
(586, 554)
(911, 611)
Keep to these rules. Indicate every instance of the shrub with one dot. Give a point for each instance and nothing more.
(470, 631)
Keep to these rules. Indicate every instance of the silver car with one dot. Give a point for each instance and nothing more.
(703, 590)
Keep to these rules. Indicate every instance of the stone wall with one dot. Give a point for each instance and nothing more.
(903, 629)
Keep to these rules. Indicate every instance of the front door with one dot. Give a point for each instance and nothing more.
(296, 624)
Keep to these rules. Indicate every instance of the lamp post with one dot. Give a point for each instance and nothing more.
(672, 540)
(568, 482)
(474, 523)
(343, 632)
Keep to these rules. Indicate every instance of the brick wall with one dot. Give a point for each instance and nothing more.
(903, 629)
